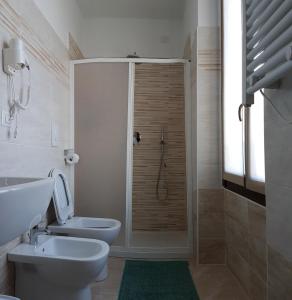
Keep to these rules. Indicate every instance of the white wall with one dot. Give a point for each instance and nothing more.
(208, 13)
(278, 149)
(118, 37)
(113, 37)
(190, 20)
(31, 154)
(64, 16)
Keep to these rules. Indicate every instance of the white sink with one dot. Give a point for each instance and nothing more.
(23, 202)
(58, 267)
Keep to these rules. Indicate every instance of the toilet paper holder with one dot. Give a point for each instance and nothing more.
(71, 158)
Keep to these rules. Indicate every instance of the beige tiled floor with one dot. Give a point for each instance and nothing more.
(212, 282)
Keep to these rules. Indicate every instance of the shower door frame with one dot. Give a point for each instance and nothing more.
(127, 250)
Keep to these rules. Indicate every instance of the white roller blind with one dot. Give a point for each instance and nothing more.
(232, 93)
(256, 140)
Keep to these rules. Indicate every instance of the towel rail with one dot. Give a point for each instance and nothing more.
(271, 77)
(267, 13)
(271, 43)
(279, 58)
(268, 43)
(271, 28)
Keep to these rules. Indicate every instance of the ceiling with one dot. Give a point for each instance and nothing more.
(144, 9)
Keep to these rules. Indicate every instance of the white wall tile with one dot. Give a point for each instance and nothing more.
(278, 153)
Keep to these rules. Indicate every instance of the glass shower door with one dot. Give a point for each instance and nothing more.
(101, 108)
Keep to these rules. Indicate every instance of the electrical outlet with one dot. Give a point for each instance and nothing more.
(6, 122)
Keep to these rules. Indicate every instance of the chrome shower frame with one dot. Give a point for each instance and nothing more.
(128, 250)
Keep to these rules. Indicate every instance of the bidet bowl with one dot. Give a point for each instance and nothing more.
(58, 263)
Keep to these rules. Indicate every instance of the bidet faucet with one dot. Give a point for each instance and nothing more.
(35, 233)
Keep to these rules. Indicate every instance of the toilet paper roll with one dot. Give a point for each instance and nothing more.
(72, 159)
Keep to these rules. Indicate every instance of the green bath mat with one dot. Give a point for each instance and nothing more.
(163, 280)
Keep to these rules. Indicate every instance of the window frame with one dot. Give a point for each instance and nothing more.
(245, 186)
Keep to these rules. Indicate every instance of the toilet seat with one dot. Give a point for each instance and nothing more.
(96, 228)
(62, 197)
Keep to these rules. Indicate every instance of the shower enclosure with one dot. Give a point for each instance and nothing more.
(132, 131)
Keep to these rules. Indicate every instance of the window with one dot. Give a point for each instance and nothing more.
(243, 141)
(232, 91)
(256, 149)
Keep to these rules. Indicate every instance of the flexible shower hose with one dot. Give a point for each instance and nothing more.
(161, 166)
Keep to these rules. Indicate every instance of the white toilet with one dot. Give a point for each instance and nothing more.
(96, 228)
(3, 297)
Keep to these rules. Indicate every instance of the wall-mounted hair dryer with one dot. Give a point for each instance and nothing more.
(14, 61)
(14, 58)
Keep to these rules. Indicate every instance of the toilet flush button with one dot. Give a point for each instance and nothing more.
(54, 134)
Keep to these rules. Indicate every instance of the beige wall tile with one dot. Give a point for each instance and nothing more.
(212, 251)
(159, 103)
(239, 267)
(257, 220)
(217, 283)
(245, 232)
(211, 225)
(208, 108)
(258, 288)
(237, 237)
(211, 200)
(279, 276)
(208, 164)
(236, 207)
(208, 37)
(258, 257)
(211, 214)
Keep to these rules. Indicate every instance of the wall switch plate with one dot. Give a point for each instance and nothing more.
(54, 134)
(6, 122)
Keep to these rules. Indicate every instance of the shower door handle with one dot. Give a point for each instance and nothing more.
(137, 137)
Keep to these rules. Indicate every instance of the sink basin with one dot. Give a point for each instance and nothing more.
(58, 267)
(23, 202)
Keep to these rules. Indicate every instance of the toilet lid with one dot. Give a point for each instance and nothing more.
(62, 197)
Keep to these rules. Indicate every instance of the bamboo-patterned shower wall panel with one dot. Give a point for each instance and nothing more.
(159, 103)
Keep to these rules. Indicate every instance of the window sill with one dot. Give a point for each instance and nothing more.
(251, 195)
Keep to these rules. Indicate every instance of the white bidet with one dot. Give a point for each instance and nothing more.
(58, 268)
